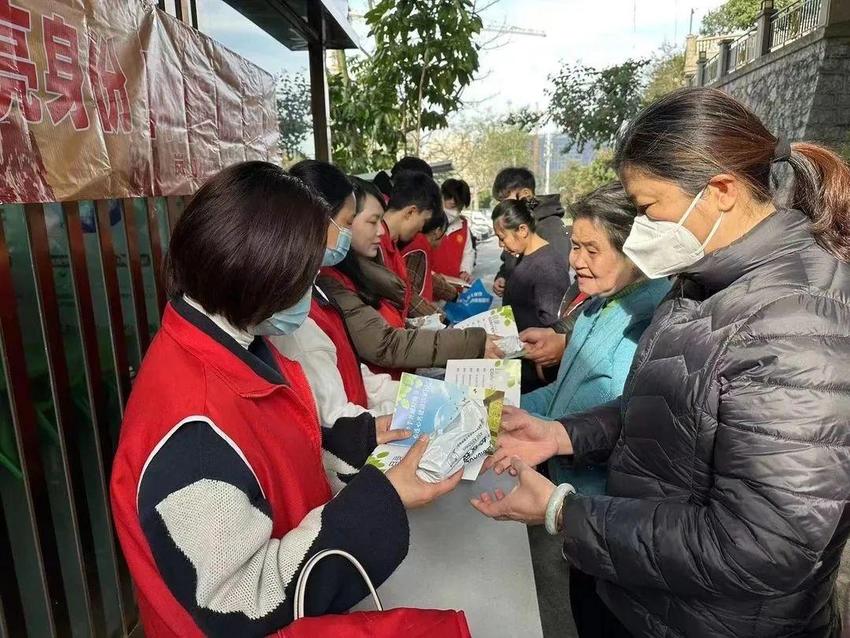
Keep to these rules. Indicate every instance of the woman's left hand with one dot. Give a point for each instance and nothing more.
(466, 277)
(525, 503)
(383, 434)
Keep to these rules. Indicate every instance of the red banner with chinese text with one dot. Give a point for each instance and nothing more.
(114, 98)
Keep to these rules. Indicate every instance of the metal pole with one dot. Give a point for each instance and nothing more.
(319, 85)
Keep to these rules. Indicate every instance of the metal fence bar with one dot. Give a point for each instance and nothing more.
(171, 204)
(137, 285)
(109, 268)
(24, 426)
(156, 253)
(12, 621)
(60, 385)
(793, 22)
(97, 395)
(712, 69)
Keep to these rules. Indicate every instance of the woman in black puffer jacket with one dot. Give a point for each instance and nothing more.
(729, 450)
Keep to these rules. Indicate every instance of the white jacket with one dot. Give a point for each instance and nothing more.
(467, 262)
(316, 353)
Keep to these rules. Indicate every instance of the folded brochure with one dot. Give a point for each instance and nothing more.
(499, 322)
(499, 374)
(429, 406)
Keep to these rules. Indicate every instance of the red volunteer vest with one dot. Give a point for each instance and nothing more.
(331, 323)
(389, 312)
(421, 244)
(449, 253)
(392, 259)
(186, 373)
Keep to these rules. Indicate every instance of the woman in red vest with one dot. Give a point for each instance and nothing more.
(455, 256)
(219, 490)
(363, 290)
(322, 345)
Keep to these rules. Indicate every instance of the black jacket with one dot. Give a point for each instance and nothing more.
(729, 450)
(549, 224)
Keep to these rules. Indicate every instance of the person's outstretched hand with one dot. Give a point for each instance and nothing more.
(413, 491)
(531, 439)
(525, 503)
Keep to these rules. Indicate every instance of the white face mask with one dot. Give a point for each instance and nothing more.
(452, 214)
(662, 248)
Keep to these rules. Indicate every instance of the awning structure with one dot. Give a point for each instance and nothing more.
(314, 26)
(297, 23)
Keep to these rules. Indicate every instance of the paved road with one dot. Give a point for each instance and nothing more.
(488, 262)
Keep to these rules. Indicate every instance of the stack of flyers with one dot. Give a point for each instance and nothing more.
(429, 406)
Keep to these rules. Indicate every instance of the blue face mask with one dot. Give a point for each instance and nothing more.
(343, 242)
(286, 321)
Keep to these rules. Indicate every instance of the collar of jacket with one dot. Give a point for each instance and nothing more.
(239, 368)
(784, 232)
(639, 298)
(549, 206)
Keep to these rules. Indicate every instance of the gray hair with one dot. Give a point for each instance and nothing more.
(611, 209)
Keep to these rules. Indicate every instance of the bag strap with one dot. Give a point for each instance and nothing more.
(301, 585)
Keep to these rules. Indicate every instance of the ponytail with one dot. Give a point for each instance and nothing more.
(822, 192)
(693, 134)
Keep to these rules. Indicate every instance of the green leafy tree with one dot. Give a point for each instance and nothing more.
(366, 129)
(425, 56)
(590, 105)
(479, 148)
(666, 74)
(735, 15)
(577, 180)
(293, 114)
(526, 118)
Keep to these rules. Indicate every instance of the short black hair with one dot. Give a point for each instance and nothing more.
(249, 243)
(415, 189)
(610, 207)
(437, 221)
(457, 190)
(513, 213)
(362, 188)
(511, 179)
(411, 163)
(384, 182)
(327, 180)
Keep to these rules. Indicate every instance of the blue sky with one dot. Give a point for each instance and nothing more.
(596, 32)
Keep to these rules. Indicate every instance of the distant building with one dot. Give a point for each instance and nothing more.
(555, 156)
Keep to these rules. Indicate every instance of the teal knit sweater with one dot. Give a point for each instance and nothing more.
(596, 363)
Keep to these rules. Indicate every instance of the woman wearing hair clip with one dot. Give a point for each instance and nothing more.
(537, 284)
(728, 451)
